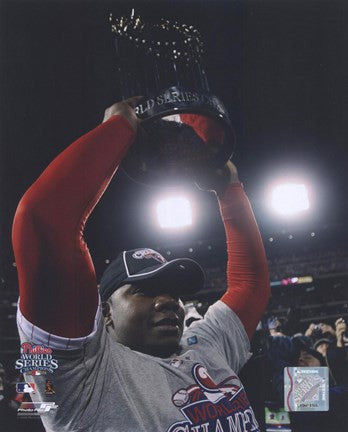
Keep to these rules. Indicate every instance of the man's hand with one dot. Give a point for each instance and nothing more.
(309, 332)
(326, 328)
(341, 328)
(217, 180)
(126, 109)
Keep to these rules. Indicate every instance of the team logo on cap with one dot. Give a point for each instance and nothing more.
(147, 254)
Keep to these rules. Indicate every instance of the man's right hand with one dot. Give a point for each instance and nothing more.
(124, 108)
(309, 332)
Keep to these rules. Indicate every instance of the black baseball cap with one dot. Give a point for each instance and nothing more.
(182, 275)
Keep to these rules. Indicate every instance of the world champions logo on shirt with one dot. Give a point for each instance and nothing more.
(36, 358)
(210, 407)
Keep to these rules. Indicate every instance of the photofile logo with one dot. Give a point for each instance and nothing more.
(35, 408)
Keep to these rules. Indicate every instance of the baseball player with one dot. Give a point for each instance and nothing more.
(133, 370)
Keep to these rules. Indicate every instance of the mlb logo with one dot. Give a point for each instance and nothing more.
(25, 387)
(37, 372)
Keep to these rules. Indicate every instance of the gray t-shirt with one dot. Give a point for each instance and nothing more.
(101, 385)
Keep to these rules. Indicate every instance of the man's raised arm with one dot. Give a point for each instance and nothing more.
(248, 286)
(58, 290)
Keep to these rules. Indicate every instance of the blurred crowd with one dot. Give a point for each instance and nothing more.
(314, 263)
(273, 350)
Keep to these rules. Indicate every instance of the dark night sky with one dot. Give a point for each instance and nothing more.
(279, 66)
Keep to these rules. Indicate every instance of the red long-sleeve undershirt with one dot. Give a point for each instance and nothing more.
(56, 274)
(248, 286)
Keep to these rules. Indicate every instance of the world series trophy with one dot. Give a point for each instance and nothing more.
(184, 126)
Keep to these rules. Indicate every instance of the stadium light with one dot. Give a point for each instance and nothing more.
(174, 212)
(289, 199)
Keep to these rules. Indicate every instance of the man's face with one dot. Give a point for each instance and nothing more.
(306, 359)
(322, 348)
(147, 317)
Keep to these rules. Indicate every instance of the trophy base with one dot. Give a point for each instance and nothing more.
(168, 153)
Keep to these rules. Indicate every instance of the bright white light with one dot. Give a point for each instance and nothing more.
(294, 279)
(174, 212)
(290, 198)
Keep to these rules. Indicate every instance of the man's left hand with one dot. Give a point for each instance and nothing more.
(217, 180)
